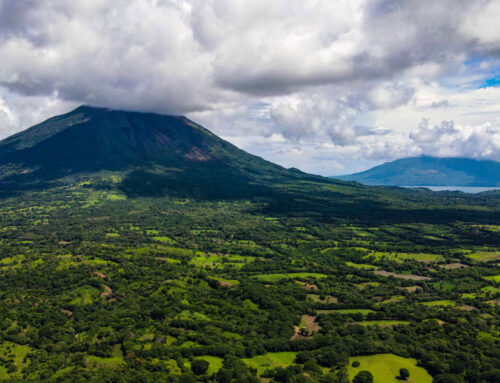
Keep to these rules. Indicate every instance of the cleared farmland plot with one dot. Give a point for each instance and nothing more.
(385, 368)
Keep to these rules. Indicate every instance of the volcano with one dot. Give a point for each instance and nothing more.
(153, 154)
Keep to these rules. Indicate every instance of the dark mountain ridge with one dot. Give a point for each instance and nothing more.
(155, 153)
(430, 171)
(90, 139)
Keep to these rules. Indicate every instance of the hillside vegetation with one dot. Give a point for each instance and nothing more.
(139, 273)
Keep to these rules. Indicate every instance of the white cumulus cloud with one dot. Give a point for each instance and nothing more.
(355, 73)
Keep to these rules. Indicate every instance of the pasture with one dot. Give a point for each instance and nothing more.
(401, 257)
(385, 368)
(220, 261)
(442, 303)
(214, 363)
(346, 311)
(12, 359)
(115, 361)
(279, 277)
(270, 360)
(494, 278)
(326, 299)
(384, 323)
(484, 256)
(361, 266)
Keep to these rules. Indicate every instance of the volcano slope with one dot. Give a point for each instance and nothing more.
(134, 245)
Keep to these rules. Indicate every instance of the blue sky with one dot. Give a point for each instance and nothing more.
(492, 81)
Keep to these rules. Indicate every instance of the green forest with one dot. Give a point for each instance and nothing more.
(313, 280)
(249, 191)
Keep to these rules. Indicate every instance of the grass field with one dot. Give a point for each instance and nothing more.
(484, 256)
(220, 261)
(494, 302)
(60, 373)
(491, 290)
(361, 266)
(487, 335)
(68, 260)
(168, 260)
(346, 311)
(205, 260)
(383, 323)
(11, 262)
(327, 299)
(493, 228)
(85, 295)
(494, 278)
(279, 277)
(469, 296)
(401, 257)
(164, 239)
(189, 344)
(270, 360)
(225, 282)
(214, 363)
(444, 302)
(114, 362)
(365, 285)
(385, 368)
(393, 299)
(17, 353)
(439, 321)
(172, 365)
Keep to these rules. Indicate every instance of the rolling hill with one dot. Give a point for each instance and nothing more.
(430, 171)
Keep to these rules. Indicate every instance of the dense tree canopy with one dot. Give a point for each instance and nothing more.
(97, 285)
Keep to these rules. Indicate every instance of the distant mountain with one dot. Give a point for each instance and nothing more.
(430, 171)
(154, 154)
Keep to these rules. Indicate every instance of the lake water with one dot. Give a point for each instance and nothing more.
(465, 189)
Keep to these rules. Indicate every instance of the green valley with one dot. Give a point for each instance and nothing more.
(140, 270)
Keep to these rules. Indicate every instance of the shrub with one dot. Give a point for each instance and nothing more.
(404, 374)
(363, 377)
(199, 366)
